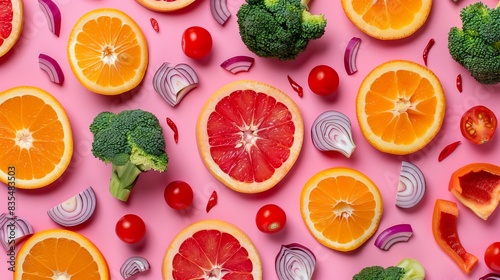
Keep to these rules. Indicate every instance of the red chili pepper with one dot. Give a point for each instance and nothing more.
(459, 83)
(448, 150)
(155, 25)
(212, 201)
(427, 49)
(172, 126)
(296, 86)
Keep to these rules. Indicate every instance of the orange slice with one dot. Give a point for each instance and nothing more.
(341, 207)
(400, 107)
(36, 142)
(108, 52)
(165, 5)
(387, 19)
(211, 249)
(60, 254)
(11, 23)
(249, 135)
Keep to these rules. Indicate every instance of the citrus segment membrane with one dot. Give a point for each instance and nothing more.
(341, 207)
(212, 249)
(11, 23)
(400, 107)
(36, 143)
(249, 135)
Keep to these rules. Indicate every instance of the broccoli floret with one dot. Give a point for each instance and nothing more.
(380, 273)
(132, 142)
(477, 45)
(278, 28)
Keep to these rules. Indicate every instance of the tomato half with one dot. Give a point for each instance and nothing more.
(323, 80)
(444, 230)
(478, 124)
(178, 194)
(492, 256)
(270, 218)
(196, 42)
(130, 228)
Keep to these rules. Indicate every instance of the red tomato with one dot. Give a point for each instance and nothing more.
(178, 194)
(196, 42)
(130, 228)
(492, 256)
(270, 218)
(478, 124)
(323, 80)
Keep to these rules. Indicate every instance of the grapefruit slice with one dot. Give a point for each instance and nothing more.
(211, 249)
(249, 135)
(11, 23)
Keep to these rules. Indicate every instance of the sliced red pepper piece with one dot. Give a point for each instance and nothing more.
(444, 229)
(477, 186)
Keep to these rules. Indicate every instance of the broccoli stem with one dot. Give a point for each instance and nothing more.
(123, 179)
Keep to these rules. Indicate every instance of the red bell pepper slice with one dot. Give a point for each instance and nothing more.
(477, 186)
(444, 229)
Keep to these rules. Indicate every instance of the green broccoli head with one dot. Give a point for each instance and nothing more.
(477, 45)
(380, 273)
(278, 28)
(133, 142)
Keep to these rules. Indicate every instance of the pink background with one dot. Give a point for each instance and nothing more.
(20, 67)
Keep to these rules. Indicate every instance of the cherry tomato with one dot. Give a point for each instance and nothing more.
(270, 218)
(492, 256)
(478, 124)
(323, 80)
(178, 194)
(130, 228)
(196, 42)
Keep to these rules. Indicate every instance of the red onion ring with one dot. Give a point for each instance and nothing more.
(52, 14)
(133, 265)
(411, 187)
(490, 276)
(295, 261)
(52, 68)
(220, 11)
(174, 82)
(350, 55)
(12, 230)
(331, 131)
(76, 210)
(392, 235)
(237, 64)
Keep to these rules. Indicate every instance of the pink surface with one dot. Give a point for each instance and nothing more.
(20, 67)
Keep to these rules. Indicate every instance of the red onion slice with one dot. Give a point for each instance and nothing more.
(76, 210)
(52, 14)
(295, 261)
(490, 276)
(392, 235)
(12, 230)
(133, 265)
(52, 68)
(174, 82)
(411, 187)
(350, 55)
(220, 11)
(331, 131)
(237, 64)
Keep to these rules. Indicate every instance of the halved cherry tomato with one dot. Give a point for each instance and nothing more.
(444, 229)
(492, 256)
(196, 42)
(478, 124)
(270, 218)
(323, 80)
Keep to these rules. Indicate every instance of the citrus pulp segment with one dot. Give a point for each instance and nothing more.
(60, 254)
(36, 142)
(211, 249)
(249, 135)
(107, 51)
(165, 5)
(341, 207)
(11, 23)
(400, 107)
(387, 19)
